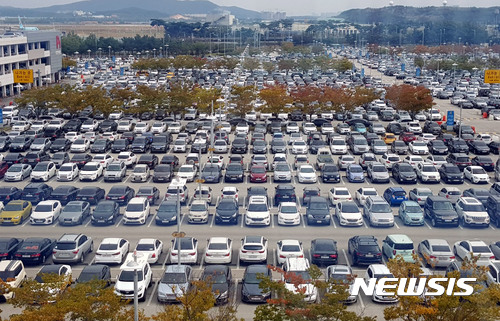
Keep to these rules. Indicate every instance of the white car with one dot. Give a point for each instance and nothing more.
(128, 158)
(251, 116)
(46, 212)
(257, 211)
(38, 124)
(307, 174)
(363, 193)
(287, 249)
(476, 174)
(344, 161)
(220, 146)
(413, 160)
(80, 146)
(72, 136)
(112, 250)
(91, 171)
(230, 192)
(299, 147)
(103, 159)
(388, 160)
(109, 136)
(242, 128)
(348, 214)
(188, 250)
(436, 252)
(288, 213)
(217, 160)
(43, 171)
(40, 144)
(414, 127)
(219, 250)
(225, 126)
(141, 128)
(428, 173)
(338, 146)
(89, 125)
(20, 126)
(486, 138)
(17, 172)
(115, 115)
(253, 249)
(436, 160)
(308, 127)
(180, 145)
(187, 172)
(158, 127)
(471, 212)
(426, 137)
(339, 194)
(151, 248)
(418, 147)
(16, 273)
(141, 173)
(68, 172)
(292, 127)
(137, 211)
(174, 127)
(124, 126)
(91, 136)
(477, 248)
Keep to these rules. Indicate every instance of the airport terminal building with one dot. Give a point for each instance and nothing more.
(39, 50)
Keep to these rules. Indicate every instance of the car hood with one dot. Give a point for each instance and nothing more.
(309, 288)
(219, 288)
(351, 215)
(69, 215)
(36, 215)
(226, 213)
(380, 174)
(177, 289)
(166, 215)
(102, 214)
(445, 213)
(11, 214)
(252, 289)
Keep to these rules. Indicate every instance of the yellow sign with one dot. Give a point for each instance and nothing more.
(492, 76)
(23, 76)
(180, 234)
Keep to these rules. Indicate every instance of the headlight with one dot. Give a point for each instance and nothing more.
(223, 295)
(234, 215)
(17, 217)
(140, 288)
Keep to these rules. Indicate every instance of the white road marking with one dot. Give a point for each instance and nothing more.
(346, 258)
(491, 226)
(166, 259)
(26, 223)
(275, 257)
(213, 220)
(118, 224)
(361, 301)
(272, 220)
(333, 221)
(396, 224)
(88, 223)
(152, 220)
(242, 220)
(425, 222)
(153, 294)
(235, 289)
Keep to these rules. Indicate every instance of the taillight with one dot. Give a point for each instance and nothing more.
(244, 251)
(226, 254)
(432, 257)
(262, 251)
(333, 256)
(379, 254)
(36, 255)
(394, 252)
(173, 254)
(492, 257)
(54, 252)
(192, 253)
(154, 255)
(76, 252)
(117, 253)
(301, 256)
(316, 255)
(208, 254)
(282, 257)
(452, 257)
(3, 254)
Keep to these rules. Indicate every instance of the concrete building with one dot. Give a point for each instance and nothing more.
(38, 50)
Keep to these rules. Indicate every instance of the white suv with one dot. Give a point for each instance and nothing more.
(124, 286)
(288, 213)
(472, 212)
(300, 266)
(253, 249)
(13, 273)
(258, 211)
(137, 211)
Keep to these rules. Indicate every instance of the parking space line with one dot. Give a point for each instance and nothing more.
(303, 220)
(272, 220)
(88, 223)
(202, 260)
(396, 224)
(275, 259)
(153, 294)
(118, 224)
(460, 226)
(238, 261)
(242, 219)
(346, 258)
(361, 301)
(25, 223)
(128, 177)
(92, 261)
(491, 226)
(236, 281)
(213, 220)
(427, 224)
(166, 259)
(333, 221)
(152, 219)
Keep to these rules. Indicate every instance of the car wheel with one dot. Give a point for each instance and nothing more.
(433, 221)
(82, 259)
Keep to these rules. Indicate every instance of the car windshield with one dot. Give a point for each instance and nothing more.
(40, 167)
(480, 249)
(381, 208)
(304, 275)
(442, 206)
(13, 207)
(128, 276)
(253, 278)
(428, 169)
(217, 278)
(282, 168)
(87, 277)
(140, 169)
(453, 170)
(226, 206)
(123, 156)
(441, 248)
(413, 209)
(65, 245)
(349, 208)
(174, 278)
(290, 248)
(135, 208)
(186, 244)
(145, 247)
(341, 192)
(307, 170)
(16, 168)
(104, 207)
(356, 169)
(198, 208)
(337, 142)
(168, 208)
(258, 170)
(113, 167)
(379, 169)
(340, 278)
(473, 207)
(72, 208)
(91, 167)
(289, 209)
(217, 246)
(186, 169)
(257, 207)
(318, 206)
(44, 208)
(478, 171)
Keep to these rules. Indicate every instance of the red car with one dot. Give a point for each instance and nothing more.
(258, 174)
(407, 137)
(3, 169)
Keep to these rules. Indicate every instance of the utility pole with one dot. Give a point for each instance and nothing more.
(136, 294)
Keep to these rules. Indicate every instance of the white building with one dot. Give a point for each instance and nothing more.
(38, 50)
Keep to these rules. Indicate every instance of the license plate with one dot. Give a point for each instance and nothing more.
(29, 195)
(101, 221)
(319, 221)
(324, 256)
(84, 198)
(369, 255)
(447, 220)
(64, 255)
(26, 255)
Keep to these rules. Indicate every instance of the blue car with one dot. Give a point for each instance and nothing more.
(359, 127)
(355, 173)
(395, 196)
(411, 213)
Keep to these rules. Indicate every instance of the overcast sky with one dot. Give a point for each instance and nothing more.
(292, 7)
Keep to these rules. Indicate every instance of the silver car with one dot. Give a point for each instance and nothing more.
(436, 252)
(377, 173)
(282, 172)
(72, 248)
(175, 282)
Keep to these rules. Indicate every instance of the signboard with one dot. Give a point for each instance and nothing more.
(418, 72)
(492, 76)
(122, 71)
(113, 58)
(403, 67)
(450, 119)
(23, 76)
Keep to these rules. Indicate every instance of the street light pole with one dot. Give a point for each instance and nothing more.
(136, 292)
(109, 52)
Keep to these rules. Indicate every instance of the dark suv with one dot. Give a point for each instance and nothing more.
(284, 193)
(440, 211)
(459, 159)
(404, 173)
(457, 145)
(318, 211)
(364, 249)
(234, 173)
(450, 173)
(227, 211)
(493, 209)
(36, 192)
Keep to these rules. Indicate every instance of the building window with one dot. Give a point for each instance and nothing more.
(21, 49)
(45, 45)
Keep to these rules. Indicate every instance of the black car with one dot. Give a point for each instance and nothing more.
(364, 249)
(459, 159)
(432, 127)
(160, 143)
(43, 143)
(81, 159)
(167, 213)
(121, 194)
(36, 192)
(53, 133)
(234, 173)
(171, 160)
(439, 210)
(4, 143)
(106, 212)
(91, 194)
(481, 194)
(395, 128)
(239, 146)
(60, 145)
(479, 147)
(150, 192)
(8, 246)
(199, 145)
(330, 173)
(13, 158)
(9, 193)
(250, 289)
(148, 159)
(101, 146)
(35, 250)
(64, 193)
(284, 193)
(33, 158)
(318, 211)
(163, 173)
(146, 115)
(404, 173)
(192, 127)
(296, 115)
(211, 173)
(308, 192)
(485, 162)
(72, 125)
(60, 158)
(130, 136)
(140, 144)
(277, 146)
(219, 276)
(108, 125)
(324, 252)
(445, 137)
(450, 173)
(437, 147)
(457, 145)
(95, 272)
(227, 211)
(21, 143)
(120, 145)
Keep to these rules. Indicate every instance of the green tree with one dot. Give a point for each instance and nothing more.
(250, 63)
(71, 43)
(180, 97)
(307, 99)
(242, 96)
(206, 98)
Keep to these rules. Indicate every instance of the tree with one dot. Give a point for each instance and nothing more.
(275, 97)
(250, 63)
(242, 96)
(268, 66)
(98, 98)
(40, 97)
(206, 98)
(149, 99)
(409, 98)
(290, 305)
(481, 305)
(68, 62)
(307, 99)
(180, 96)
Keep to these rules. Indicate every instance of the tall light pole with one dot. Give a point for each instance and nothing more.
(166, 51)
(109, 52)
(99, 51)
(154, 52)
(461, 105)
(89, 51)
(179, 182)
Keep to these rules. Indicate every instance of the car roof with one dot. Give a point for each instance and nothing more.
(290, 242)
(174, 268)
(253, 239)
(470, 200)
(257, 268)
(212, 269)
(218, 239)
(437, 242)
(400, 238)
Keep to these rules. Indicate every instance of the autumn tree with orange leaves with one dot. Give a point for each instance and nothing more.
(344, 100)
(409, 98)
(275, 98)
(290, 305)
(307, 99)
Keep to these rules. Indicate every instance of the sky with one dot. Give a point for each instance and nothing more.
(292, 7)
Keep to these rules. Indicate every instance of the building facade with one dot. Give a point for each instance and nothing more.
(38, 50)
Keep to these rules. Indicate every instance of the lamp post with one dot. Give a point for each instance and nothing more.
(99, 52)
(179, 182)
(461, 105)
(89, 51)
(166, 51)
(147, 54)
(109, 52)
(154, 52)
